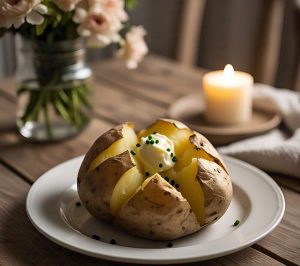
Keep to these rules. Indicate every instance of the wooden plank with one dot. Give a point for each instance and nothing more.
(112, 105)
(21, 244)
(190, 31)
(284, 241)
(33, 159)
(157, 79)
(119, 106)
(291, 183)
(23, 155)
(271, 35)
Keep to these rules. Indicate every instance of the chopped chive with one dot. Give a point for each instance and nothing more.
(160, 165)
(170, 245)
(138, 145)
(172, 182)
(147, 174)
(113, 242)
(95, 237)
(167, 178)
(154, 132)
(168, 149)
(150, 137)
(132, 152)
(171, 154)
(174, 159)
(152, 142)
(236, 223)
(177, 185)
(147, 141)
(157, 141)
(78, 204)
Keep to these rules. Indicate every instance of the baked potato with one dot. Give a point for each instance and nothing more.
(163, 183)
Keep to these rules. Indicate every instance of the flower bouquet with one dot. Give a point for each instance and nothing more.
(53, 90)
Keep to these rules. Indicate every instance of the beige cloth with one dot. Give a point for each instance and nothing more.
(275, 151)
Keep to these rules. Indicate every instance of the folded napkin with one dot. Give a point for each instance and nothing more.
(278, 150)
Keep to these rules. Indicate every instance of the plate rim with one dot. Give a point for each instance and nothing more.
(191, 258)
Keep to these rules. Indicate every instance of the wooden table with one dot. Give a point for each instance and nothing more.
(120, 95)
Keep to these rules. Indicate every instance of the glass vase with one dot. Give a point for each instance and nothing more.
(53, 92)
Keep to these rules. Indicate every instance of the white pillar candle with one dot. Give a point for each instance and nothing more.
(228, 96)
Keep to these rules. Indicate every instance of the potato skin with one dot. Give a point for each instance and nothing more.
(217, 189)
(158, 212)
(100, 144)
(176, 123)
(96, 188)
(202, 143)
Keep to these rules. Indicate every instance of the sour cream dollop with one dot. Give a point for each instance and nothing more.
(156, 152)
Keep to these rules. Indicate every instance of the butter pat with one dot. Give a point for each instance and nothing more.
(156, 153)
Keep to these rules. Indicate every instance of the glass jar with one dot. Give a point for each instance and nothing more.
(53, 92)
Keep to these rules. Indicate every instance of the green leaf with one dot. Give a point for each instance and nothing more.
(130, 4)
(57, 20)
(39, 29)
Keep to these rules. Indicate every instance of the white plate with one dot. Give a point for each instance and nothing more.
(257, 202)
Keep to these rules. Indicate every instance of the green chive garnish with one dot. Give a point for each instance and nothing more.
(138, 145)
(147, 142)
(152, 142)
(236, 223)
(147, 174)
(174, 159)
(132, 152)
(171, 154)
(172, 182)
(168, 149)
(160, 165)
(157, 141)
(167, 178)
(177, 185)
(150, 137)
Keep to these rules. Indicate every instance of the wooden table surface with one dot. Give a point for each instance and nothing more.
(120, 95)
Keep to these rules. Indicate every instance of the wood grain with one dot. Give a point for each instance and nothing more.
(190, 31)
(120, 95)
(22, 244)
(157, 80)
(284, 241)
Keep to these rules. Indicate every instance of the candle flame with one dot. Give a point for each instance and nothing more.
(228, 71)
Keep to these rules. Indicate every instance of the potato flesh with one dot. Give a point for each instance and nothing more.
(126, 143)
(190, 188)
(180, 137)
(125, 188)
(184, 172)
(189, 154)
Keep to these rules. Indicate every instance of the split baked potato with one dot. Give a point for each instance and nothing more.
(163, 183)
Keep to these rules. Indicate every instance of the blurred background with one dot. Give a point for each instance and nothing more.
(261, 37)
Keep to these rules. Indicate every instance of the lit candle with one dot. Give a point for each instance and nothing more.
(228, 96)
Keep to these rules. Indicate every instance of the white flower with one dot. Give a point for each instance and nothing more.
(66, 5)
(133, 48)
(98, 26)
(15, 12)
(115, 8)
